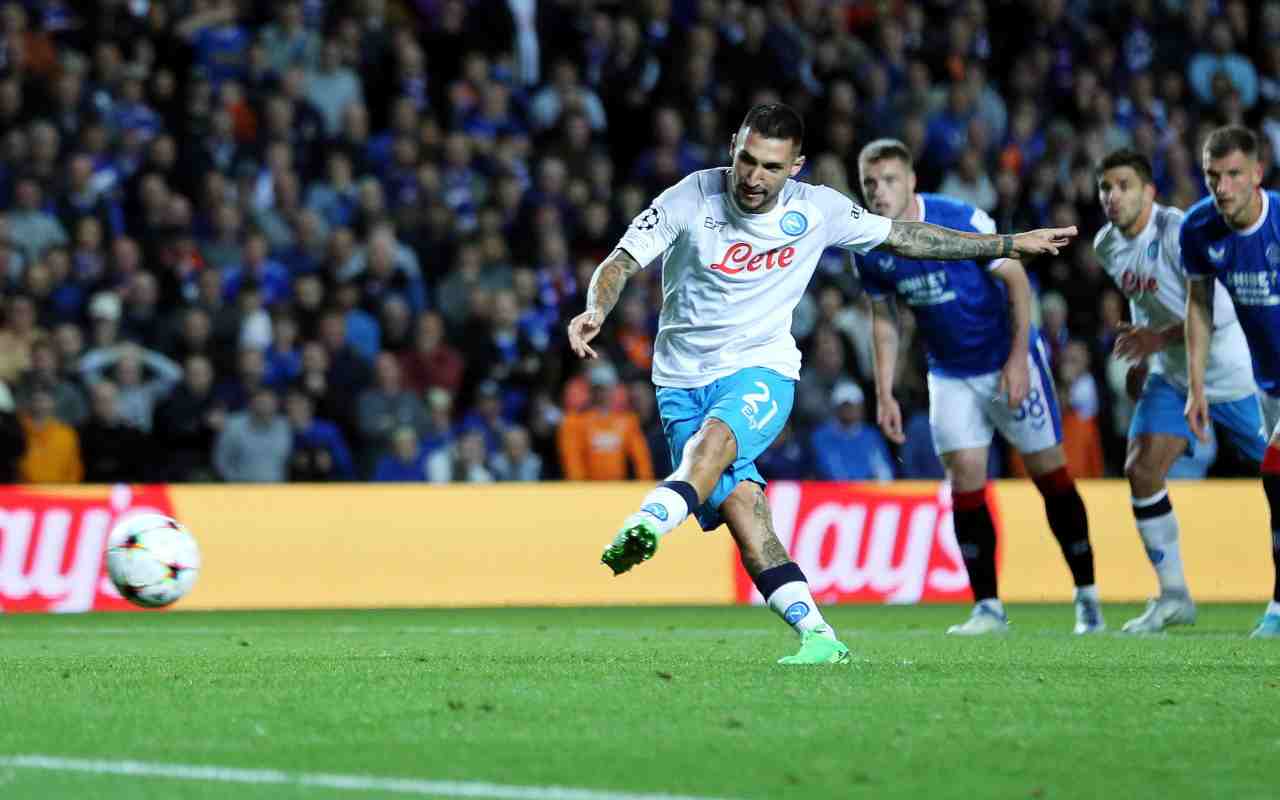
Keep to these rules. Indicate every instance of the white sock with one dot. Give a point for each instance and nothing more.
(1273, 607)
(666, 508)
(794, 603)
(1160, 538)
(994, 604)
(1089, 592)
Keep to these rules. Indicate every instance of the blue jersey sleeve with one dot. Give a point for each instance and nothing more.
(873, 280)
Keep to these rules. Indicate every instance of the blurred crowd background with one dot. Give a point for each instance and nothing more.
(307, 240)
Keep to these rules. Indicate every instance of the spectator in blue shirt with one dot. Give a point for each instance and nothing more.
(320, 453)
(406, 460)
(787, 459)
(256, 266)
(846, 448)
(918, 455)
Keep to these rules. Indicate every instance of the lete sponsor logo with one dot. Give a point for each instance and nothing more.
(867, 545)
(739, 257)
(52, 545)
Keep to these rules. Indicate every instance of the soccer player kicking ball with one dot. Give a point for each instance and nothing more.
(1139, 249)
(1234, 235)
(738, 247)
(988, 371)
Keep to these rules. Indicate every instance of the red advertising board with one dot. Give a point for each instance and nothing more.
(867, 543)
(52, 544)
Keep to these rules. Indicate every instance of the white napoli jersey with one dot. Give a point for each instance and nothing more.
(1148, 269)
(731, 279)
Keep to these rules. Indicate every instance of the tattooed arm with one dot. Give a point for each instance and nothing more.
(607, 283)
(1199, 330)
(925, 241)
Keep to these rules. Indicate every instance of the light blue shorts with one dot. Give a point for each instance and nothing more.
(1160, 411)
(754, 402)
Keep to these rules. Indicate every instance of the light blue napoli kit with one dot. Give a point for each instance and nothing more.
(730, 282)
(1148, 268)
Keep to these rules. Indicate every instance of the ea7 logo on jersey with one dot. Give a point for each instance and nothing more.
(752, 408)
(648, 219)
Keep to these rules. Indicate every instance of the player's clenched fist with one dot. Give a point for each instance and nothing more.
(582, 329)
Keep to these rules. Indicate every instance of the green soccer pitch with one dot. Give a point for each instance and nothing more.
(630, 704)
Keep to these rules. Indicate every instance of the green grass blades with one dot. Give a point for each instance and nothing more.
(636, 701)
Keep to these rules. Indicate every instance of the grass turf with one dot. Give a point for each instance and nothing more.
(679, 700)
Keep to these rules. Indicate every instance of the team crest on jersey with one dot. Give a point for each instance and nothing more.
(1153, 250)
(1273, 254)
(886, 263)
(793, 223)
(1217, 253)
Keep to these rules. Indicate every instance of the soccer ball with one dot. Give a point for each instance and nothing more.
(152, 559)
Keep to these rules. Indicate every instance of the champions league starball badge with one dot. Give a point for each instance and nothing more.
(647, 219)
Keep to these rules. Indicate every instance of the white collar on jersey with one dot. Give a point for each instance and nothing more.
(783, 197)
(1151, 223)
(1262, 217)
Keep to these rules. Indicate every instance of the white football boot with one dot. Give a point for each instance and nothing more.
(986, 618)
(1163, 612)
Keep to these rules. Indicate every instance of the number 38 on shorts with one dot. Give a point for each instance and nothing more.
(966, 411)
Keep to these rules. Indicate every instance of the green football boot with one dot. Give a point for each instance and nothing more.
(1268, 628)
(816, 647)
(636, 542)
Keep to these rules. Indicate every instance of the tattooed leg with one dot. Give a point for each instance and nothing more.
(747, 513)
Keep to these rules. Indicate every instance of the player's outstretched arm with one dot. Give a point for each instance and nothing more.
(607, 283)
(926, 241)
(1199, 327)
(884, 338)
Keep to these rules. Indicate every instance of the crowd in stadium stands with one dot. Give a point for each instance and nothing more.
(311, 241)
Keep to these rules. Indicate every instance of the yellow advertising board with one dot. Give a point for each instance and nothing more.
(369, 545)
(318, 546)
(1225, 536)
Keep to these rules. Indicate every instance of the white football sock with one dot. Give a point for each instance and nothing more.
(666, 508)
(1273, 607)
(1160, 538)
(794, 603)
(1089, 592)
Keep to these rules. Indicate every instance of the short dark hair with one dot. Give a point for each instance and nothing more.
(1222, 142)
(1126, 157)
(884, 148)
(776, 121)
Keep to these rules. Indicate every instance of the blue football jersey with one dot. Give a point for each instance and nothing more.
(961, 309)
(1247, 262)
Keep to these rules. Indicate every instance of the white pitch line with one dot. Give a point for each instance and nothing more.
(355, 783)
